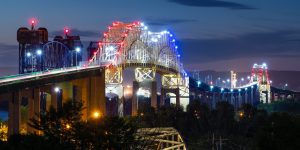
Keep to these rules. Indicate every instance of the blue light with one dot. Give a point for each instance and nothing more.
(231, 90)
(173, 40)
(171, 35)
(222, 89)
(246, 89)
(211, 87)
(239, 90)
(28, 54)
(198, 82)
(77, 49)
(178, 55)
(176, 46)
(39, 52)
(252, 87)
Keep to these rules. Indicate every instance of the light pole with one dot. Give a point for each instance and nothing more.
(28, 54)
(39, 53)
(77, 50)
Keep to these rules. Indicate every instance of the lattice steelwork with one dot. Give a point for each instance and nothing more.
(160, 139)
(132, 44)
(57, 55)
(261, 77)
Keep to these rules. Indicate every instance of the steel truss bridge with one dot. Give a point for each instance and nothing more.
(132, 45)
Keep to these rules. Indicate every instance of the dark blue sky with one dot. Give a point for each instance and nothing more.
(213, 34)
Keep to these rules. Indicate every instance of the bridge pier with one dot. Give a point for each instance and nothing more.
(14, 113)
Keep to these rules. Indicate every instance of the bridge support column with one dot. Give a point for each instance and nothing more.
(97, 92)
(153, 94)
(135, 88)
(14, 113)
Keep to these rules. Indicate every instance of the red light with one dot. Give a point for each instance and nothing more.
(95, 53)
(66, 31)
(90, 60)
(32, 22)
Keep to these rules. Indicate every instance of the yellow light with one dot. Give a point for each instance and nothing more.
(68, 126)
(142, 114)
(241, 114)
(96, 114)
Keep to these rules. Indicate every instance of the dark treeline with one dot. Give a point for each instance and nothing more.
(225, 128)
(222, 128)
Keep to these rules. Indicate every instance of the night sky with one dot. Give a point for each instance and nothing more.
(214, 34)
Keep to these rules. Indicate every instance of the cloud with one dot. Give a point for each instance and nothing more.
(212, 3)
(275, 44)
(82, 33)
(165, 21)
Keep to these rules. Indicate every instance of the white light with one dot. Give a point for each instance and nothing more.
(198, 82)
(171, 35)
(146, 28)
(56, 89)
(77, 49)
(246, 89)
(248, 77)
(211, 87)
(286, 84)
(178, 55)
(39, 52)
(142, 24)
(239, 90)
(28, 54)
(228, 80)
(173, 40)
(264, 65)
(149, 32)
(176, 46)
(252, 87)
(222, 89)
(242, 79)
(159, 36)
(154, 40)
(110, 48)
(231, 90)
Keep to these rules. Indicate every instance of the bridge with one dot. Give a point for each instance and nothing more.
(49, 81)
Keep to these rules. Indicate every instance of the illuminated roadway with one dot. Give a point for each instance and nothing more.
(7, 80)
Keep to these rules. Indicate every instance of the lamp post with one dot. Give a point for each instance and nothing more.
(29, 55)
(77, 50)
(39, 53)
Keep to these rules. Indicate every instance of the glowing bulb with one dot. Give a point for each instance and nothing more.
(28, 54)
(39, 52)
(56, 89)
(77, 49)
(146, 28)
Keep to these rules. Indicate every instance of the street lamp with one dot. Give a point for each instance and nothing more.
(77, 50)
(28, 54)
(39, 53)
(96, 114)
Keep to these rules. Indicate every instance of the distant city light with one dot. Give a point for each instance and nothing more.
(228, 80)
(222, 89)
